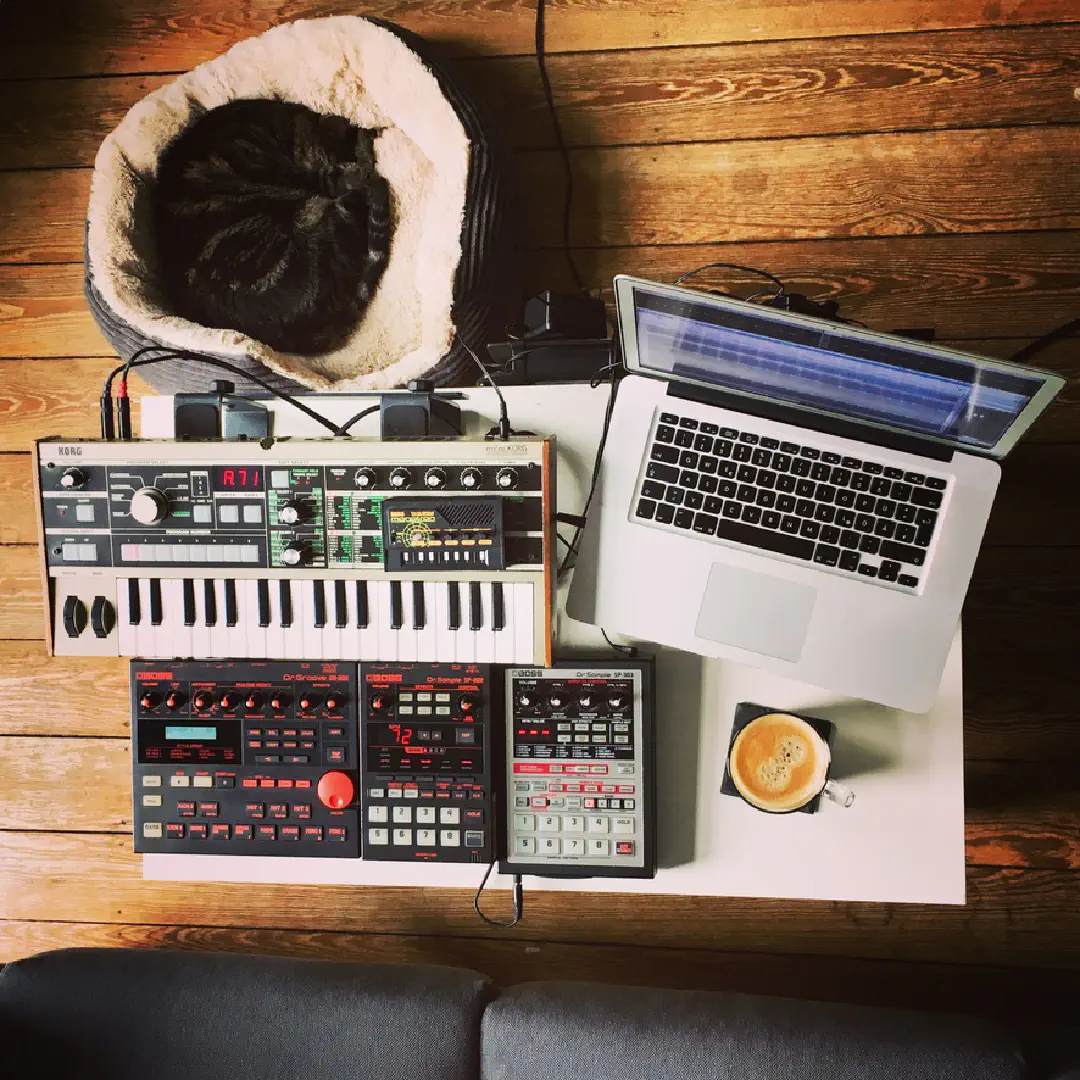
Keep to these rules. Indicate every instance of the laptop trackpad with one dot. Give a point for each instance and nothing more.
(756, 612)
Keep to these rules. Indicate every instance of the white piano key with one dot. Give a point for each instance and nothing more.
(127, 636)
(406, 635)
(446, 639)
(427, 640)
(485, 636)
(293, 636)
(370, 635)
(387, 647)
(311, 635)
(331, 635)
(237, 635)
(219, 632)
(350, 632)
(275, 634)
(525, 651)
(247, 596)
(504, 638)
(146, 634)
(466, 636)
(200, 632)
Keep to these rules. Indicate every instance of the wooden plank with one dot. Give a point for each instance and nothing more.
(72, 785)
(39, 398)
(1012, 917)
(1020, 815)
(1010, 994)
(1029, 509)
(22, 616)
(962, 286)
(934, 182)
(125, 36)
(86, 696)
(766, 90)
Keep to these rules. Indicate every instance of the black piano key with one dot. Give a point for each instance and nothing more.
(134, 605)
(498, 611)
(209, 602)
(155, 602)
(341, 614)
(476, 610)
(285, 603)
(231, 617)
(263, 590)
(319, 595)
(418, 616)
(396, 616)
(189, 602)
(361, 605)
(454, 597)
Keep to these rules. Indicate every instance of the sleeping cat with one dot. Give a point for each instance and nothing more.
(271, 219)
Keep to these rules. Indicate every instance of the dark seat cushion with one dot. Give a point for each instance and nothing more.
(550, 1031)
(144, 1014)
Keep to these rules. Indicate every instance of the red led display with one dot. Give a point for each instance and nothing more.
(237, 478)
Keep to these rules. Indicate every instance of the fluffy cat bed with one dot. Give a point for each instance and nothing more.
(449, 265)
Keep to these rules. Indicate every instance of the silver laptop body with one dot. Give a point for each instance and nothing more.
(793, 493)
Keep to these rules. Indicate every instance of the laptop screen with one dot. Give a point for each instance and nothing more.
(827, 367)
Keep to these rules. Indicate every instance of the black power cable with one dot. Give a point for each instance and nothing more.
(518, 899)
(1021, 356)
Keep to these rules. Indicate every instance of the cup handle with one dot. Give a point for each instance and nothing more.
(838, 793)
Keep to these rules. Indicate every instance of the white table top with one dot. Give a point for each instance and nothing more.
(901, 841)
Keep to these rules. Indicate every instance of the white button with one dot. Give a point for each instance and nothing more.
(412, 793)
(574, 845)
(377, 813)
(87, 553)
(129, 552)
(152, 830)
(624, 770)
(249, 553)
(179, 781)
(378, 836)
(151, 781)
(403, 837)
(377, 793)
(202, 513)
(425, 815)
(252, 513)
(403, 815)
(623, 825)
(147, 552)
(394, 793)
(84, 512)
(70, 552)
(524, 822)
(442, 697)
(151, 800)
(525, 845)
(575, 823)
(573, 802)
(599, 847)
(449, 815)
(228, 513)
(181, 553)
(622, 738)
(425, 837)
(549, 845)
(450, 838)
(233, 552)
(163, 553)
(549, 823)
(405, 709)
(598, 824)
(202, 781)
(279, 478)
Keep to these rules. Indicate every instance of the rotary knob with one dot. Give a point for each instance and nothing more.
(203, 700)
(297, 553)
(468, 706)
(149, 506)
(400, 478)
(278, 702)
(506, 478)
(434, 478)
(556, 699)
(525, 701)
(228, 700)
(616, 699)
(253, 702)
(471, 478)
(333, 702)
(365, 478)
(378, 703)
(293, 511)
(336, 790)
(308, 702)
(174, 700)
(149, 700)
(587, 700)
(72, 478)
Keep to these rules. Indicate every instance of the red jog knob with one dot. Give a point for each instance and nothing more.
(336, 790)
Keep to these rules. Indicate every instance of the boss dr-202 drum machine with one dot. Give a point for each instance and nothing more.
(346, 549)
(245, 758)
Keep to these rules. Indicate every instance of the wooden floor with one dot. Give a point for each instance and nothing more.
(917, 161)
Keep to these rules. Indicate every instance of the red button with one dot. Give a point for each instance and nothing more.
(266, 783)
(267, 832)
(313, 832)
(289, 832)
(624, 847)
(336, 790)
(285, 783)
(220, 832)
(242, 832)
(302, 810)
(250, 781)
(197, 832)
(175, 830)
(303, 783)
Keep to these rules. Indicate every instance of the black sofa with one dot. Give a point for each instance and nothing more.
(115, 1014)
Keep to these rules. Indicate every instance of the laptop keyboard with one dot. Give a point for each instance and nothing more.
(861, 517)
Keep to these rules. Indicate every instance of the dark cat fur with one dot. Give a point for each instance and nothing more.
(271, 219)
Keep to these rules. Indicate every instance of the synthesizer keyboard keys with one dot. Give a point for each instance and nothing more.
(427, 636)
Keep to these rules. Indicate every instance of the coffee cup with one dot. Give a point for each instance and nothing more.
(778, 763)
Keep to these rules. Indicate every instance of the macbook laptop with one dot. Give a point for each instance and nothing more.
(793, 493)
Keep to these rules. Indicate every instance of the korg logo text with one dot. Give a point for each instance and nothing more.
(69, 451)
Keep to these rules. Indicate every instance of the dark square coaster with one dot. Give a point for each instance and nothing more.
(746, 711)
